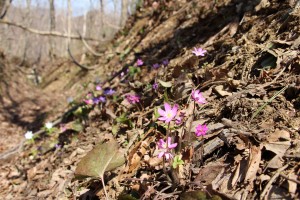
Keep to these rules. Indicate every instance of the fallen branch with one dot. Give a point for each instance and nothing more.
(46, 33)
(78, 64)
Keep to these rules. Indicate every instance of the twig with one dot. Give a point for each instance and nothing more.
(268, 186)
(290, 179)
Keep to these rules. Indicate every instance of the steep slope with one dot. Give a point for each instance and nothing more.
(249, 77)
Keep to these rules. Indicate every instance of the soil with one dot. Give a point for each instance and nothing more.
(249, 78)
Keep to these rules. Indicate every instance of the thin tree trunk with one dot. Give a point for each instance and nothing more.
(52, 28)
(124, 6)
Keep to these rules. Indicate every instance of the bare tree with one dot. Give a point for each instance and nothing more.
(52, 28)
(124, 7)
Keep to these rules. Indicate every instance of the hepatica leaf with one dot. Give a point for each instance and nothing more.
(165, 84)
(103, 157)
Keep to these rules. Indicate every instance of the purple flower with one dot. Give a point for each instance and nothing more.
(139, 62)
(109, 91)
(102, 99)
(178, 120)
(166, 147)
(165, 62)
(155, 86)
(198, 97)
(169, 113)
(132, 98)
(155, 66)
(201, 130)
(199, 51)
(98, 88)
(96, 100)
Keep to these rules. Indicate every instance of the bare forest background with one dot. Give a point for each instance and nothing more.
(40, 30)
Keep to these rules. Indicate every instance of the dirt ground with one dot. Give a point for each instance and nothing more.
(249, 78)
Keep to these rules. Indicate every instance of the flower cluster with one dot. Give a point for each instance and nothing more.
(171, 113)
(133, 99)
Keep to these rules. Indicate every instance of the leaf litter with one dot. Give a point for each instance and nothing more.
(241, 156)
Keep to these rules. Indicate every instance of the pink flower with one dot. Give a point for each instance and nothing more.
(197, 96)
(139, 62)
(88, 101)
(199, 51)
(133, 98)
(178, 120)
(98, 88)
(169, 113)
(166, 147)
(201, 130)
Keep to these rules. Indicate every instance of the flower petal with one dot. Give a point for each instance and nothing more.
(161, 112)
(167, 106)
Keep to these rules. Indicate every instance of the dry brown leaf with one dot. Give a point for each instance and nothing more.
(279, 148)
(220, 90)
(236, 175)
(209, 172)
(253, 164)
(292, 184)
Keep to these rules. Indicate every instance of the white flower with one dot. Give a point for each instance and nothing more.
(28, 135)
(49, 125)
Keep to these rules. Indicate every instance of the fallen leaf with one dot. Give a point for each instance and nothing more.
(103, 157)
(165, 84)
(253, 164)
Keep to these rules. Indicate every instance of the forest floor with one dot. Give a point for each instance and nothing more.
(250, 80)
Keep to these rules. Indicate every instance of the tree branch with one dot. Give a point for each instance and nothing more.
(45, 33)
(88, 47)
(78, 64)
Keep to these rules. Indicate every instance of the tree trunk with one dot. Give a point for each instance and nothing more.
(52, 28)
(124, 7)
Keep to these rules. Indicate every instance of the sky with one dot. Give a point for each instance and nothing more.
(79, 7)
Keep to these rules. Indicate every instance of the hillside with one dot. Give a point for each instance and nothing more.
(236, 139)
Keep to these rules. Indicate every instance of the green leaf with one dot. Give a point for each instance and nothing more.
(76, 126)
(165, 84)
(103, 157)
(177, 161)
(115, 128)
(122, 119)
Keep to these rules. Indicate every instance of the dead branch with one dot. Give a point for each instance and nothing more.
(77, 63)
(88, 47)
(45, 33)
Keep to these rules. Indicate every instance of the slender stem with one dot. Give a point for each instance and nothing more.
(103, 184)
(164, 159)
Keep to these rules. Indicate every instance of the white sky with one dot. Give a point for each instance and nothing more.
(79, 7)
